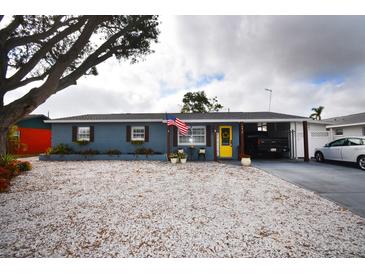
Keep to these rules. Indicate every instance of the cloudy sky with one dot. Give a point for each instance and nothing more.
(307, 61)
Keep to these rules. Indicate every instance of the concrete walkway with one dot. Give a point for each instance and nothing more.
(341, 183)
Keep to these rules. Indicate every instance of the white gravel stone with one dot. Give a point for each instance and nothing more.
(156, 209)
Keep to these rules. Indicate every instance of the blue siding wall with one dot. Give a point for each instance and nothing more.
(210, 150)
(113, 136)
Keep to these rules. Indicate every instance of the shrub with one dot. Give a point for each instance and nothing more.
(89, 152)
(4, 173)
(60, 149)
(137, 142)
(4, 184)
(82, 142)
(143, 150)
(13, 168)
(149, 151)
(24, 165)
(114, 152)
(6, 159)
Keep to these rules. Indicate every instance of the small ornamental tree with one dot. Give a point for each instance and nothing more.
(58, 50)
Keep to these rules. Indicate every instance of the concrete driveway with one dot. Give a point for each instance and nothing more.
(341, 183)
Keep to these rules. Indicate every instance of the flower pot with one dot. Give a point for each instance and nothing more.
(183, 161)
(246, 161)
(173, 160)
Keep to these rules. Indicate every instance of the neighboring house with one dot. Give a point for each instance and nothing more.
(222, 134)
(33, 134)
(349, 125)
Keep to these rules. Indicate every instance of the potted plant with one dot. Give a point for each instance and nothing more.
(182, 157)
(173, 158)
(245, 160)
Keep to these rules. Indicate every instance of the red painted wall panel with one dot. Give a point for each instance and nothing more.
(35, 140)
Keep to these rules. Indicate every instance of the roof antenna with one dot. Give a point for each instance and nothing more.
(269, 90)
(48, 114)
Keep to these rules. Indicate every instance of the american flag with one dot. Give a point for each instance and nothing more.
(173, 121)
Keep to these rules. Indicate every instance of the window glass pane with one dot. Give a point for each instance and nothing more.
(337, 143)
(83, 133)
(226, 139)
(339, 131)
(137, 133)
(354, 142)
(196, 136)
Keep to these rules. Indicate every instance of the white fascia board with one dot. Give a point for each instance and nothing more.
(241, 120)
(346, 125)
(102, 121)
(187, 121)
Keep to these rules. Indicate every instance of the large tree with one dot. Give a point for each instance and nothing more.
(57, 50)
(198, 102)
(317, 113)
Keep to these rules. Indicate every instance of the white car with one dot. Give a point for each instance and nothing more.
(349, 149)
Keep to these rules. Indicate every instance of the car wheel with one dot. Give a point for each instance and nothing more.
(361, 162)
(319, 156)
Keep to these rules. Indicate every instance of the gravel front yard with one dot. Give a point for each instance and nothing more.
(155, 209)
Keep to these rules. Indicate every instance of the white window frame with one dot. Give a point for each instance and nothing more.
(191, 143)
(262, 127)
(80, 132)
(133, 138)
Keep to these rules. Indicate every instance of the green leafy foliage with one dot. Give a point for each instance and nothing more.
(60, 149)
(144, 151)
(198, 102)
(173, 155)
(82, 142)
(317, 112)
(114, 152)
(24, 166)
(6, 159)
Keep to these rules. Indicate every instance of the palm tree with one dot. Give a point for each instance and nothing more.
(316, 115)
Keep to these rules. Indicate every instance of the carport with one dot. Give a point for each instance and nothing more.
(268, 140)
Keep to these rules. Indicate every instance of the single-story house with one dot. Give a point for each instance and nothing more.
(33, 134)
(223, 135)
(349, 125)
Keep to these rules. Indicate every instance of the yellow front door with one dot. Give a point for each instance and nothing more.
(225, 141)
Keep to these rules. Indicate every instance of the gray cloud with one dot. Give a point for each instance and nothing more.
(306, 60)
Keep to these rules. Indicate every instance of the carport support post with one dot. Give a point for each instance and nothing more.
(241, 151)
(168, 141)
(215, 143)
(305, 141)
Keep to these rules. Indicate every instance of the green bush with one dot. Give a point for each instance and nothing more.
(137, 142)
(144, 151)
(24, 165)
(60, 149)
(82, 142)
(114, 152)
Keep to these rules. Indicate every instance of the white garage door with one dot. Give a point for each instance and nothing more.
(317, 139)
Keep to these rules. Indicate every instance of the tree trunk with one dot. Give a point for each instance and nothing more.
(3, 140)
